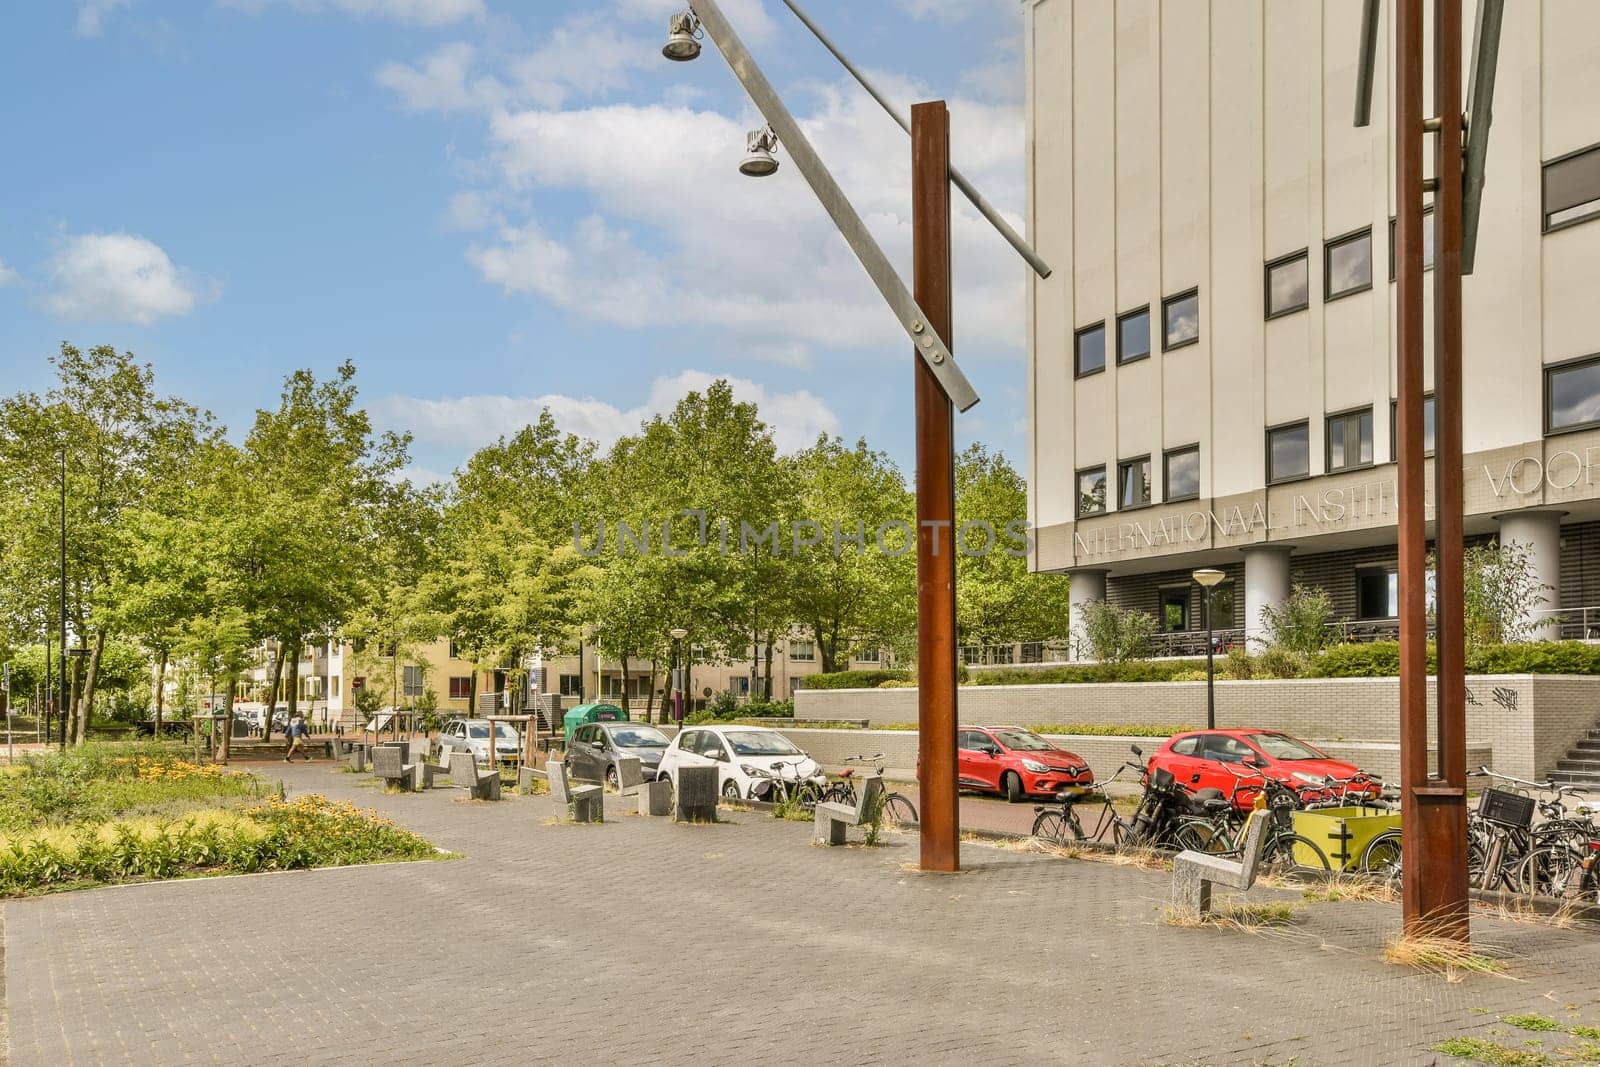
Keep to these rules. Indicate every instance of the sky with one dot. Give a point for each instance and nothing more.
(493, 207)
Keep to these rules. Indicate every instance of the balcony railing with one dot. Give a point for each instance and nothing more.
(1567, 624)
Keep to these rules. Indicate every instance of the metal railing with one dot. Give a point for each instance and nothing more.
(1567, 624)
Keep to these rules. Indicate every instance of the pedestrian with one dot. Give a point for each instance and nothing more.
(296, 732)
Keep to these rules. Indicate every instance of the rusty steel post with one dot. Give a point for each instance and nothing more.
(1444, 893)
(936, 496)
(1413, 534)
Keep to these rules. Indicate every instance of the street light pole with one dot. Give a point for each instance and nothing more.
(1209, 578)
(677, 633)
(64, 712)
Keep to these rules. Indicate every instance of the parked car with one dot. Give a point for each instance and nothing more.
(1207, 759)
(472, 735)
(748, 759)
(1016, 763)
(595, 748)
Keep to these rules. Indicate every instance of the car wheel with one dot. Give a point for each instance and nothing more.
(1011, 785)
(730, 790)
(612, 782)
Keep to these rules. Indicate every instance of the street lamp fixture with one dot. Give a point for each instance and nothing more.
(759, 161)
(677, 633)
(1209, 578)
(683, 38)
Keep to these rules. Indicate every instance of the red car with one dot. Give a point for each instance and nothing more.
(1208, 759)
(1015, 762)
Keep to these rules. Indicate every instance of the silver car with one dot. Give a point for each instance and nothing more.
(472, 735)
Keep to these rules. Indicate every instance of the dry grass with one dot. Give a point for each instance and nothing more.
(1440, 955)
(1248, 915)
(1521, 910)
(1341, 888)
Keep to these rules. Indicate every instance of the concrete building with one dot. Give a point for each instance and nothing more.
(1212, 364)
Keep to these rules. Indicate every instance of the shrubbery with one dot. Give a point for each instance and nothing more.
(1146, 670)
(855, 679)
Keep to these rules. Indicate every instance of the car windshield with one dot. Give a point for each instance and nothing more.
(761, 743)
(639, 737)
(1023, 740)
(1282, 746)
(505, 731)
(477, 729)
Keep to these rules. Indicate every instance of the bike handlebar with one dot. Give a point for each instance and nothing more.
(864, 759)
(1547, 785)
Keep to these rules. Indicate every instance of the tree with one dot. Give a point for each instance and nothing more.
(1501, 592)
(1116, 635)
(998, 602)
(1300, 624)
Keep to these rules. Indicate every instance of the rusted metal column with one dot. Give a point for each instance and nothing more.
(1408, 433)
(1444, 893)
(936, 496)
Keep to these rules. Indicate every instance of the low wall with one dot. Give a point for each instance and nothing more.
(1519, 724)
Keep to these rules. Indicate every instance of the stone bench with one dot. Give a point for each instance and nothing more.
(483, 784)
(577, 803)
(696, 794)
(427, 771)
(388, 763)
(831, 820)
(1194, 873)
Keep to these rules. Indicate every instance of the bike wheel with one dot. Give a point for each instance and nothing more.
(1381, 857)
(899, 809)
(1551, 871)
(1050, 826)
(808, 794)
(1198, 835)
(1293, 854)
(839, 793)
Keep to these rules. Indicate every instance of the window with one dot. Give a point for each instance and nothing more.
(411, 681)
(1175, 609)
(1092, 492)
(461, 688)
(1427, 427)
(1133, 335)
(1180, 474)
(869, 655)
(1572, 188)
(802, 650)
(1004, 654)
(1427, 241)
(1572, 395)
(1377, 594)
(1349, 440)
(1185, 746)
(610, 686)
(571, 685)
(455, 650)
(1347, 264)
(972, 655)
(1180, 320)
(1222, 600)
(1288, 452)
(742, 685)
(1288, 285)
(333, 685)
(1033, 651)
(1133, 482)
(1089, 350)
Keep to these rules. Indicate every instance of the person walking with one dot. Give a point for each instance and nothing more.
(296, 732)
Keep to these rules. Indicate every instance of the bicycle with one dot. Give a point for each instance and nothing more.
(781, 790)
(1156, 823)
(896, 806)
(1284, 851)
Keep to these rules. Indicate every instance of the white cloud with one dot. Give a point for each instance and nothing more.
(120, 277)
(414, 12)
(92, 15)
(7, 275)
(749, 17)
(440, 82)
(468, 423)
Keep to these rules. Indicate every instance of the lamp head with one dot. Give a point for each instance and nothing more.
(759, 161)
(678, 633)
(1209, 577)
(683, 41)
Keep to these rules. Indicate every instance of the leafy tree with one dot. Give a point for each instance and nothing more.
(1117, 635)
(1300, 624)
(1500, 594)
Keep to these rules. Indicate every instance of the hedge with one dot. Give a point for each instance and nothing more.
(855, 679)
(1149, 670)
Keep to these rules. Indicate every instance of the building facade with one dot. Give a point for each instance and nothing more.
(1212, 364)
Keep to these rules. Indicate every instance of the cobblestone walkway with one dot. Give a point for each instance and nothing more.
(644, 941)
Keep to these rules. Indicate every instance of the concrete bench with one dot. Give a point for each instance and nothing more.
(579, 803)
(526, 776)
(483, 784)
(696, 794)
(1194, 873)
(427, 771)
(388, 763)
(630, 776)
(831, 820)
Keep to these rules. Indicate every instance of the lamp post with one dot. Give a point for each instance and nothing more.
(678, 633)
(1209, 578)
(941, 387)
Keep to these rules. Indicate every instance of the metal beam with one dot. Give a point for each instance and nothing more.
(1480, 113)
(986, 209)
(929, 344)
(1367, 64)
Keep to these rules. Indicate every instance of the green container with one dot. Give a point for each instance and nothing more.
(1342, 833)
(591, 713)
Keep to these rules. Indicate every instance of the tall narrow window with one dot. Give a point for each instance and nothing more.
(1133, 478)
(1377, 593)
(1089, 350)
(1092, 491)
(1288, 452)
(1181, 320)
(1347, 265)
(1572, 189)
(1349, 440)
(1288, 285)
(1427, 241)
(1428, 408)
(1133, 335)
(1572, 395)
(411, 681)
(1175, 609)
(1180, 475)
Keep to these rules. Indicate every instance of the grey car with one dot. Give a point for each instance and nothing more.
(595, 748)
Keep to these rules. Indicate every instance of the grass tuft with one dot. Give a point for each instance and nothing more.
(1482, 1050)
(1246, 915)
(1531, 1021)
(1440, 955)
(1341, 888)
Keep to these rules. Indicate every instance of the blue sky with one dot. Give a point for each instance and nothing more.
(493, 207)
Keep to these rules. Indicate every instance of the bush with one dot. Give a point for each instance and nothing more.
(1300, 624)
(768, 709)
(725, 706)
(1379, 659)
(855, 679)
(1117, 635)
(1240, 666)
(1277, 661)
(1136, 671)
(1544, 657)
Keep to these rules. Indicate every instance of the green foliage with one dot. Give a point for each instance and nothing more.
(1239, 665)
(1117, 635)
(855, 679)
(94, 783)
(725, 706)
(1375, 659)
(1279, 661)
(1300, 624)
(1166, 670)
(1500, 592)
(1112, 729)
(1539, 657)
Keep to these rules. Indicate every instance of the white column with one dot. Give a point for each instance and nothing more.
(1540, 533)
(1086, 585)
(1266, 584)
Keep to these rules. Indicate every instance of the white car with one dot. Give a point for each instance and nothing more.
(472, 735)
(749, 759)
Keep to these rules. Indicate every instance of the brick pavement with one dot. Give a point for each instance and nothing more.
(644, 940)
